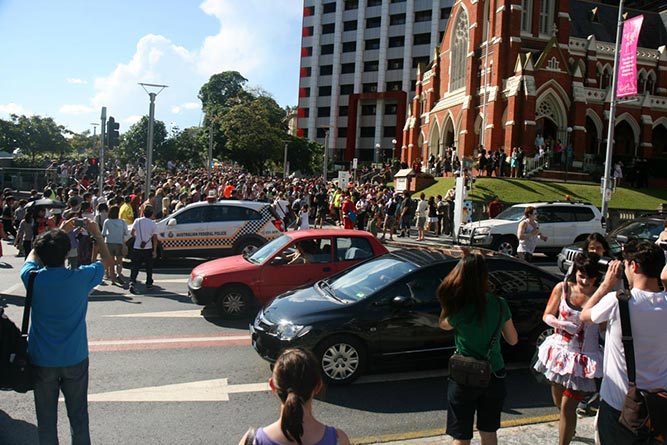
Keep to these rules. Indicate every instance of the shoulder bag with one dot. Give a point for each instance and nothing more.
(21, 378)
(643, 410)
(470, 371)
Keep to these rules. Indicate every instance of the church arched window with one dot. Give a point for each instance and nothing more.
(459, 52)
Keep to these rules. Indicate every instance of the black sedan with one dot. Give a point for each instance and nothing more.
(386, 310)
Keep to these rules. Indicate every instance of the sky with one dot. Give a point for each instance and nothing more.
(66, 59)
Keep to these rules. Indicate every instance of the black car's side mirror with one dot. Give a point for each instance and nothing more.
(402, 301)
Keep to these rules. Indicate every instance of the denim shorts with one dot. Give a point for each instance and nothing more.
(464, 401)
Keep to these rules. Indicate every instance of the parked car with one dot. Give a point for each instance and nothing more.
(298, 258)
(218, 228)
(563, 223)
(646, 227)
(385, 310)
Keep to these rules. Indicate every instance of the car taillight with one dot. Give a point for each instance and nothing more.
(279, 224)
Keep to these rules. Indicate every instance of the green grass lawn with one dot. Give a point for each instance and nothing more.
(523, 190)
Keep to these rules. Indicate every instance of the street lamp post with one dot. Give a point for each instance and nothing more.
(285, 162)
(151, 123)
(378, 149)
(567, 151)
(393, 148)
(325, 161)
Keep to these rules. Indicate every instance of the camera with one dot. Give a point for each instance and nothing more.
(604, 265)
(80, 222)
(663, 245)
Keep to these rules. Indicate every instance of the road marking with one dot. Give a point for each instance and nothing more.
(216, 390)
(191, 313)
(13, 288)
(154, 343)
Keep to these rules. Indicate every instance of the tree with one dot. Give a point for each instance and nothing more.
(133, 142)
(304, 155)
(188, 146)
(36, 135)
(223, 91)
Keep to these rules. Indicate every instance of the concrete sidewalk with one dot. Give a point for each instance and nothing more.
(535, 433)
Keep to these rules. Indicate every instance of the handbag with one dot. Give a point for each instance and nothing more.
(20, 376)
(643, 410)
(352, 216)
(470, 371)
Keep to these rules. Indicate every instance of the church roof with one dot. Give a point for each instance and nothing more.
(601, 20)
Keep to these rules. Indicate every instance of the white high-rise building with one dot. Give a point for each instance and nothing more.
(359, 59)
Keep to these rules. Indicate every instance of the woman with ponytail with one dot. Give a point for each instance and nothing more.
(296, 380)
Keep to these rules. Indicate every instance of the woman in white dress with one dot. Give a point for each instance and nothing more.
(571, 358)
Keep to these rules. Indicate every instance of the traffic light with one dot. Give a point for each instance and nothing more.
(112, 132)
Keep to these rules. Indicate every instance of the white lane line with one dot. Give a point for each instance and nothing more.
(13, 288)
(195, 313)
(217, 390)
(166, 340)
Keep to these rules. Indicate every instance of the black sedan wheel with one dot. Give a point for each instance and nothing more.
(342, 359)
(234, 301)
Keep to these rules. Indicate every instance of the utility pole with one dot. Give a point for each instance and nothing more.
(210, 151)
(103, 119)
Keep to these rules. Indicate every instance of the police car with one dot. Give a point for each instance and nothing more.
(218, 228)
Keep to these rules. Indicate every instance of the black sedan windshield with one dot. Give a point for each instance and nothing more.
(364, 280)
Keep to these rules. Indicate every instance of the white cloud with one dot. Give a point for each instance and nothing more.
(75, 109)
(131, 120)
(262, 46)
(13, 108)
(75, 81)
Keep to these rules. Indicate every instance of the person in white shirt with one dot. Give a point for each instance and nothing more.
(642, 264)
(144, 250)
(422, 213)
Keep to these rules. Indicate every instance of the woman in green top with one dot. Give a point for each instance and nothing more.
(473, 313)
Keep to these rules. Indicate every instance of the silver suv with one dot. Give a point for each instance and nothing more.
(563, 222)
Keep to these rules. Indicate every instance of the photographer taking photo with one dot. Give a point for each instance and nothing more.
(642, 262)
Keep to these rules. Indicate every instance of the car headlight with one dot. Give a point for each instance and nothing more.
(286, 330)
(196, 281)
(482, 230)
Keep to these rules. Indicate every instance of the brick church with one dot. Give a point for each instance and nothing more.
(523, 68)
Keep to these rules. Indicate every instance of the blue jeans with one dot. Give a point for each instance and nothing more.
(73, 381)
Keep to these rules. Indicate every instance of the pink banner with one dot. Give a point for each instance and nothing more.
(627, 66)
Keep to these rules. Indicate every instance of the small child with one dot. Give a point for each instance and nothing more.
(374, 223)
(304, 222)
(24, 236)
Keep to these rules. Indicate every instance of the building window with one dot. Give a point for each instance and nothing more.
(350, 25)
(342, 110)
(347, 89)
(395, 64)
(308, 11)
(326, 70)
(347, 68)
(349, 47)
(423, 16)
(397, 19)
(368, 110)
(604, 77)
(327, 49)
(373, 44)
(370, 88)
(553, 64)
(307, 31)
(367, 132)
(325, 91)
(373, 22)
(306, 72)
(374, 3)
(329, 28)
(396, 42)
(306, 112)
(323, 112)
(390, 109)
(459, 52)
(445, 13)
(527, 15)
(321, 132)
(389, 132)
(416, 61)
(351, 4)
(342, 132)
(546, 16)
(650, 82)
(394, 86)
(307, 51)
(422, 39)
(397, 1)
(371, 66)
(329, 7)
(304, 132)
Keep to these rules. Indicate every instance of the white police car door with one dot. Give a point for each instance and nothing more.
(184, 232)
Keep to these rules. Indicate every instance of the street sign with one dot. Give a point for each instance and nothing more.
(354, 163)
(343, 179)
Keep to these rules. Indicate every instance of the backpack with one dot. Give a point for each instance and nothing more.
(12, 359)
(391, 209)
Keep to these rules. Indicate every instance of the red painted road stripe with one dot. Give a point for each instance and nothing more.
(167, 342)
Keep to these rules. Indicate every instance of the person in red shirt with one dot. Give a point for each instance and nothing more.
(349, 211)
(495, 207)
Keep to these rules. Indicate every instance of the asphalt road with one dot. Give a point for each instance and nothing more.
(160, 372)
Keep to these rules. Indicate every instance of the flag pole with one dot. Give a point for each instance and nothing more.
(606, 195)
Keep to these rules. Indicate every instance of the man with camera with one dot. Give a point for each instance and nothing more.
(57, 341)
(144, 231)
(642, 264)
